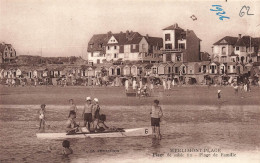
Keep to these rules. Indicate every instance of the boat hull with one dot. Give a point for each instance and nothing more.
(127, 133)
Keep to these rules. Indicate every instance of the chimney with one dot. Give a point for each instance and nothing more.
(109, 34)
(239, 36)
(175, 25)
(127, 33)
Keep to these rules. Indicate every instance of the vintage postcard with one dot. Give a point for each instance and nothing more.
(129, 81)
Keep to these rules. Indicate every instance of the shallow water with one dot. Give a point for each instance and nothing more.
(230, 128)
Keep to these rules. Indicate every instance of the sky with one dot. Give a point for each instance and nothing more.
(63, 27)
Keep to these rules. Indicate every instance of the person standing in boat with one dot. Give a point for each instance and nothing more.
(73, 106)
(42, 112)
(95, 113)
(71, 125)
(156, 114)
(87, 112)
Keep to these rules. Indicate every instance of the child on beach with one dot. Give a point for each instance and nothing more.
(42, 112)
(66, 148)
(156, 114)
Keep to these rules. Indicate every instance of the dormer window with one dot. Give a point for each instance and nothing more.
(91, 45)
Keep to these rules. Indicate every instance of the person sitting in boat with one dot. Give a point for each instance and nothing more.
(101, 126)
(71, 125)
(66, 148)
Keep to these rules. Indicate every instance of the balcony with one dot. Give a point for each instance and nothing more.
(172, 50)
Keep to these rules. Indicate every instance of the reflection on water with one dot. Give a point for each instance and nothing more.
(226, 127)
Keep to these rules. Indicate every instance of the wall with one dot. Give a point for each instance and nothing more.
(145, 48)
(193, 47)
(96, 56)
(172, 38)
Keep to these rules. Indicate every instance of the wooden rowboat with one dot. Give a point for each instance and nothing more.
(123, 133)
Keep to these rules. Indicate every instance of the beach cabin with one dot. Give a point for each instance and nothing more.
(98, 72)
(35, 73)
(134, 70)
(127, 70)
(214, 67)
(119, 70)
(222, 68)
(176, 68)
(239, 68)
(91, 71)
(248, 67)
(204, 67)
(193, 68)
(154, 69)
(45, 73)
(18, 72)
(111, 70)
(231, 68)
(183, 68)
(148, 69)
(163, 69)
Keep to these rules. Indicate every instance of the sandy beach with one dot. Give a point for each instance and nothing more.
(183, 95)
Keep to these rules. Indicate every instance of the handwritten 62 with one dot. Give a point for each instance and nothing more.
(220, 13)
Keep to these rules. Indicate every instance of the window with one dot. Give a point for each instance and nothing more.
(108, 47)
(100, 45)
(115, 55)
(237, 48)
(228, 67)
(233, 60)
(178, 57)
(176, 70)
(167, 37)
(168, 46)
(5, 54)
(114, 47)
(181, 46)
(134, 46)
(223, 50)
(234, 67)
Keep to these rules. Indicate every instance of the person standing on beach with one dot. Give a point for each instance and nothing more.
(156, 114)
(236, 89)
(219, 96)
(87, 112)
(169, 84)
(42, 112)
(73, 106)
(164, 85)
(126, 85)
(134, 84)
